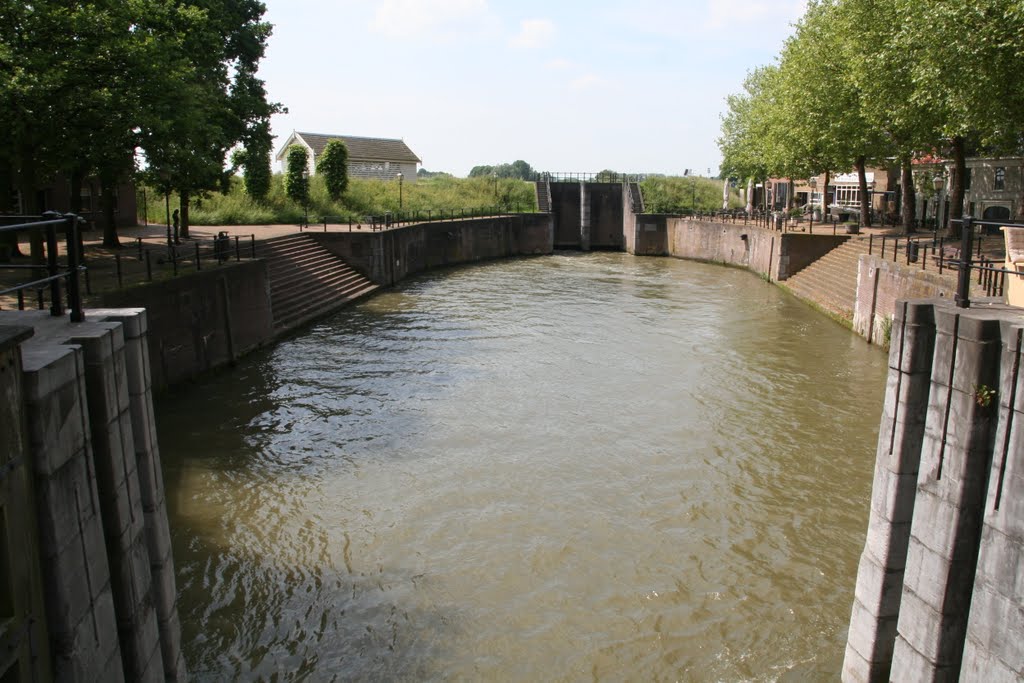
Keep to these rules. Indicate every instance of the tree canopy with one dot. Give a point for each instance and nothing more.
(517, 169)
(90, 88)
(333, 166)
(882, 81)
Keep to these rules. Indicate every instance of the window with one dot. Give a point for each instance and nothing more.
(1000, 178)
(847, 195)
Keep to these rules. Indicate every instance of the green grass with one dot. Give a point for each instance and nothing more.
(675, 194)
(363, 198)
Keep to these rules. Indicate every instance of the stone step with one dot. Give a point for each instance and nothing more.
(307, 280)
(299, 287)
(298, 316)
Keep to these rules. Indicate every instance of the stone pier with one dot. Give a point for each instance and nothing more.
(938, 593)
(103, 553)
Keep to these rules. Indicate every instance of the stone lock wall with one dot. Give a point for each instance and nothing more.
(103, 551)
(389, 257)
(938, 586)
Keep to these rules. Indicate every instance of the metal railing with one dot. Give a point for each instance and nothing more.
(49, 222)
(964, 256)
(586, 177)
(399, 218)
(146, 261)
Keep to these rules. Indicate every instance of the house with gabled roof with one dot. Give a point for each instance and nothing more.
(373, 158)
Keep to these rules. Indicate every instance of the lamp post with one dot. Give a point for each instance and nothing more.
(400, 179)
(938, 182)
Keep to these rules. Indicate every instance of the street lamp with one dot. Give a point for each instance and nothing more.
(400, 179)
(938, 182)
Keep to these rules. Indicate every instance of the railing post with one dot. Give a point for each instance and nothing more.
(199, 265)
(238, 249)
(117, 266)
(253, 241)
(963, 280)
(56, 307)
(174, 259)
(871, 240)
(149, 266)
(74, 294)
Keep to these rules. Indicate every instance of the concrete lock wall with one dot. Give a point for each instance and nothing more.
(104, 552)
(768, 253)
(938, 587)
(880, 284)
(202, 321)
(566, 202)
(24, 655)
(388, 257)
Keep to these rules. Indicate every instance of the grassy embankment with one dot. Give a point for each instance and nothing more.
(363, 198)
(681, 195)
(662, 194)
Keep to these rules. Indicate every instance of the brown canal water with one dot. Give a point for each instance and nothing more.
(564, 468)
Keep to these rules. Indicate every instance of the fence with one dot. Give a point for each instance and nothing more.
(601, 177)
(400, 218)
(108, 270)
(49, 222)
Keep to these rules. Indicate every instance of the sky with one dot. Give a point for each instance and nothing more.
(635, 86)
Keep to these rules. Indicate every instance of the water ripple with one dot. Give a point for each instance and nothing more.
(556, 468)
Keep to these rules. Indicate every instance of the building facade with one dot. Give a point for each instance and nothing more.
(370, 158)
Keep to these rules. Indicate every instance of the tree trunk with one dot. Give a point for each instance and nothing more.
(75, 200)
(8, 240)
(184, 199)
(30, 206)
(107, 185)
(789, 194)
(862, 185)
(750, 195)
(908, 198)
(956, 204)
(824, 196)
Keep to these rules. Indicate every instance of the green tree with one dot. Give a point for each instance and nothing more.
(296, 179)
(333, 166)
(967, 66)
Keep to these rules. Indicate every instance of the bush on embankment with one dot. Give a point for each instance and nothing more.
(683, 195)
(363, 198)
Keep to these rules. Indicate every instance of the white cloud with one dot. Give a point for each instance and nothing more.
(586, 82)
(435, 19)
(725, 13)
(558, 65)
(533, 33)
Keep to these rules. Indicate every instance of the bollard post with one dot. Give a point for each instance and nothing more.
(117, 265)
(199, 265)
(871, 241)
(238, 250)
(149, 267)
(252, 239)
(138, 242)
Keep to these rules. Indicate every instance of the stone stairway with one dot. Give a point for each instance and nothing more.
(307, 281)
(543, 196)
(831, 281)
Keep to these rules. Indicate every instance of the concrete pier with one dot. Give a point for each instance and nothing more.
(104, 553)
(939, 546)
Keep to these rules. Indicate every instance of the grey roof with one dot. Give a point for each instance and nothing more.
(378, 149)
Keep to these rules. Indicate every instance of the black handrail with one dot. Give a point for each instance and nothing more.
(50, 221)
